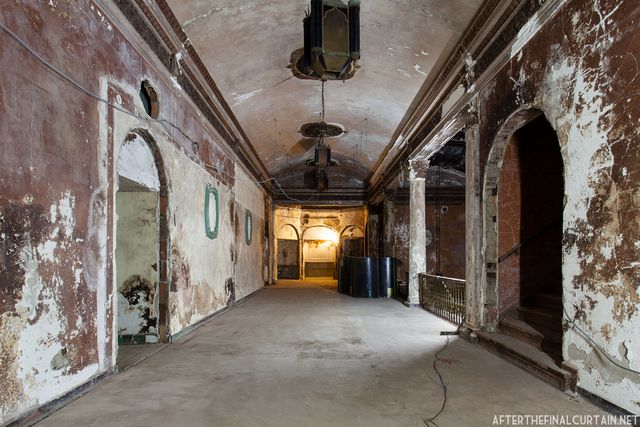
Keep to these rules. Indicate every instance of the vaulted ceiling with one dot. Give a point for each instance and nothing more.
(247, 47)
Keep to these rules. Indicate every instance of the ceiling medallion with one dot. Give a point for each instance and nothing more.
(318, 129)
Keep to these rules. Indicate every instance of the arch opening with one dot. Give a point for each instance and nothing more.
(524, 189)
(141, 242)
(319, 252)
(288, 253)
(352, 242)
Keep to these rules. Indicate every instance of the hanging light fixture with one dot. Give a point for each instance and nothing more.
(322, 158)
(331, 38)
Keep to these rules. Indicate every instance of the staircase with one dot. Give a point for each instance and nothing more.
(543, 313)
(532, 340)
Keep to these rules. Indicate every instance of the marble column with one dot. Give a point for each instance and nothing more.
(417, 230)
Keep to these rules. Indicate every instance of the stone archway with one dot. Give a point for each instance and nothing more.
(319, 252)
(288, 253)
(352, 241)
(141, 252)
(524, 195)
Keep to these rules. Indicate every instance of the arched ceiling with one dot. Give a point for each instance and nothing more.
(247, 48)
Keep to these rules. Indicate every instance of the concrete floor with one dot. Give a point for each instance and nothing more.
(304, 355)
(131, 355)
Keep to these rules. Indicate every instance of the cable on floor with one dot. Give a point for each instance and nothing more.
(431, 421)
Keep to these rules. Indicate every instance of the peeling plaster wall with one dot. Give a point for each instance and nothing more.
(450, 250)
(250, 259)
(401, 239)
(581, 69)
(200, 267)
(58, 194)
(374, 235)
(137, 262)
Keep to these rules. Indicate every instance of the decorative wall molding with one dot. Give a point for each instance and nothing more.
(481, 52)
(158, 27)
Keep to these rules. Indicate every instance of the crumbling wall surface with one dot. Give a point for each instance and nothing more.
(401, 239)
(250, 260)
(58, 320)
(446, 250)
(50, 208)
(373, 235)
(580, 68)
(137, 260)
(200, 267)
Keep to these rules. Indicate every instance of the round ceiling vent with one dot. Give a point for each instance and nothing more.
(312, 162)
(318, 129)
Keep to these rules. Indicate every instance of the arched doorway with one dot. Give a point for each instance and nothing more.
(141, 242)
(524, 243)
(288, 253)
(352, 241)
(319, 252)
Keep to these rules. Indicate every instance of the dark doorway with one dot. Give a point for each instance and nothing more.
(288, 253)
(352, 242)
(531, 202)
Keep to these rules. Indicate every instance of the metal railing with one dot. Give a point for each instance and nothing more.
(443, 296)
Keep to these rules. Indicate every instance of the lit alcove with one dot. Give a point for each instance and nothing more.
(319, 252)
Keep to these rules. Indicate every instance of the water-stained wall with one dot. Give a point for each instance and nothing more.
(446, 246)
(58, 293)
(251, 259)
(401, 239)
(579, 67)
(137, 239)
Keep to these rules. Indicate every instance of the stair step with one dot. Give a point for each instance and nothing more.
(519, 329)
(547, 300)
(541, 318)
(527, 357)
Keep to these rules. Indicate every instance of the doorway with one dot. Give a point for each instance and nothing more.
(319, 252)
(530, 208)
(288, 253)
(352, 242)
(140, 240)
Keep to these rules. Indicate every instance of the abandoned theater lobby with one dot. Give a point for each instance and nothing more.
(319, 212)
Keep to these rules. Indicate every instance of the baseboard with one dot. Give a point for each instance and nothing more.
(49, 408)
(607, 406)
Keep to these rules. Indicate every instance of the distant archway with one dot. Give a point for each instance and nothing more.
(319, 252)
(352, 241)
(288, 253)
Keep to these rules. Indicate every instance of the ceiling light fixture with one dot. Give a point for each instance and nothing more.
(331, 38)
